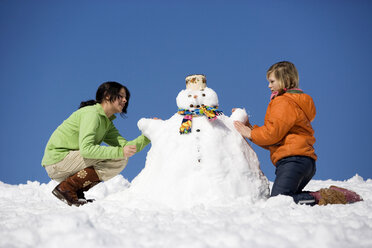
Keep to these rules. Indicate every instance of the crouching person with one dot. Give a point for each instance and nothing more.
(74, 156)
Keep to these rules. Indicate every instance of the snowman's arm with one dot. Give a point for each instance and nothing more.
(239, 115)
(149, 127)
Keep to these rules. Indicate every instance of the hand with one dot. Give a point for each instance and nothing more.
(129, 151)
(243, 129)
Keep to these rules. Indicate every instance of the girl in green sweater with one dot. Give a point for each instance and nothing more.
(74, 156)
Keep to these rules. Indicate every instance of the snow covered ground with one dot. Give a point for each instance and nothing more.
(30, 216)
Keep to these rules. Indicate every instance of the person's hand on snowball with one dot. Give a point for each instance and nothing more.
(243, 129)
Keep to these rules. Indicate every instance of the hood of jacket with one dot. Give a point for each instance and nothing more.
(305, 102)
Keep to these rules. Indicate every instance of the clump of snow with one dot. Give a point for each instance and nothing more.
(30, 216)
(239, 115)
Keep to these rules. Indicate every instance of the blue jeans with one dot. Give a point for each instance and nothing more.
(292, 175)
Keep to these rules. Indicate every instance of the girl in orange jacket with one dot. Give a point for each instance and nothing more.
(288, 135)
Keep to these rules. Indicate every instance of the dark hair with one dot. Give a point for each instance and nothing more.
(110, 89)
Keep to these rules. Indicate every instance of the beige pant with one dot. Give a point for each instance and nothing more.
(74, 162)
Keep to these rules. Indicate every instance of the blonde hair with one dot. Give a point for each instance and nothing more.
(286, 73)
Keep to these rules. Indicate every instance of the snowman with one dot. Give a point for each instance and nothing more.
(197, 156)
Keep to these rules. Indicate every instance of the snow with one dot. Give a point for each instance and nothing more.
(211, 163)
(30, 216)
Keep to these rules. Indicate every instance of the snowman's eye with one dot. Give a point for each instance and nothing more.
(203, 95)
(189, 95)
(191, 106)
(198, 106)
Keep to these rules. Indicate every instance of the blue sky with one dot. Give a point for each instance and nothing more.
(54, 54)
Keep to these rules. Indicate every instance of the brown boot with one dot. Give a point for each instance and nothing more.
(331, 196)
(335, 195)
(67, 190)
(81, 196)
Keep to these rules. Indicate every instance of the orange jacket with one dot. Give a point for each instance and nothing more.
(287, 130)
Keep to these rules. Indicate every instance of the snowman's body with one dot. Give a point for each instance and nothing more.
(211, 163)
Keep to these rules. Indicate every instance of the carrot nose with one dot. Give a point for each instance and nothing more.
(195, 96)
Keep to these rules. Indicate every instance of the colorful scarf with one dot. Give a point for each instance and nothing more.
(285, 90)
(208, 111)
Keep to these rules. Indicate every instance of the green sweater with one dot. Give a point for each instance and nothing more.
(85, 130)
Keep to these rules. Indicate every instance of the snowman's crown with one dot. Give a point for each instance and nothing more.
(196, 82)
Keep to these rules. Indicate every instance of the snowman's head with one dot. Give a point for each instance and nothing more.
(192, 99)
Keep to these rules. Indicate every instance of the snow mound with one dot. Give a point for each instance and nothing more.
(30, 216)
